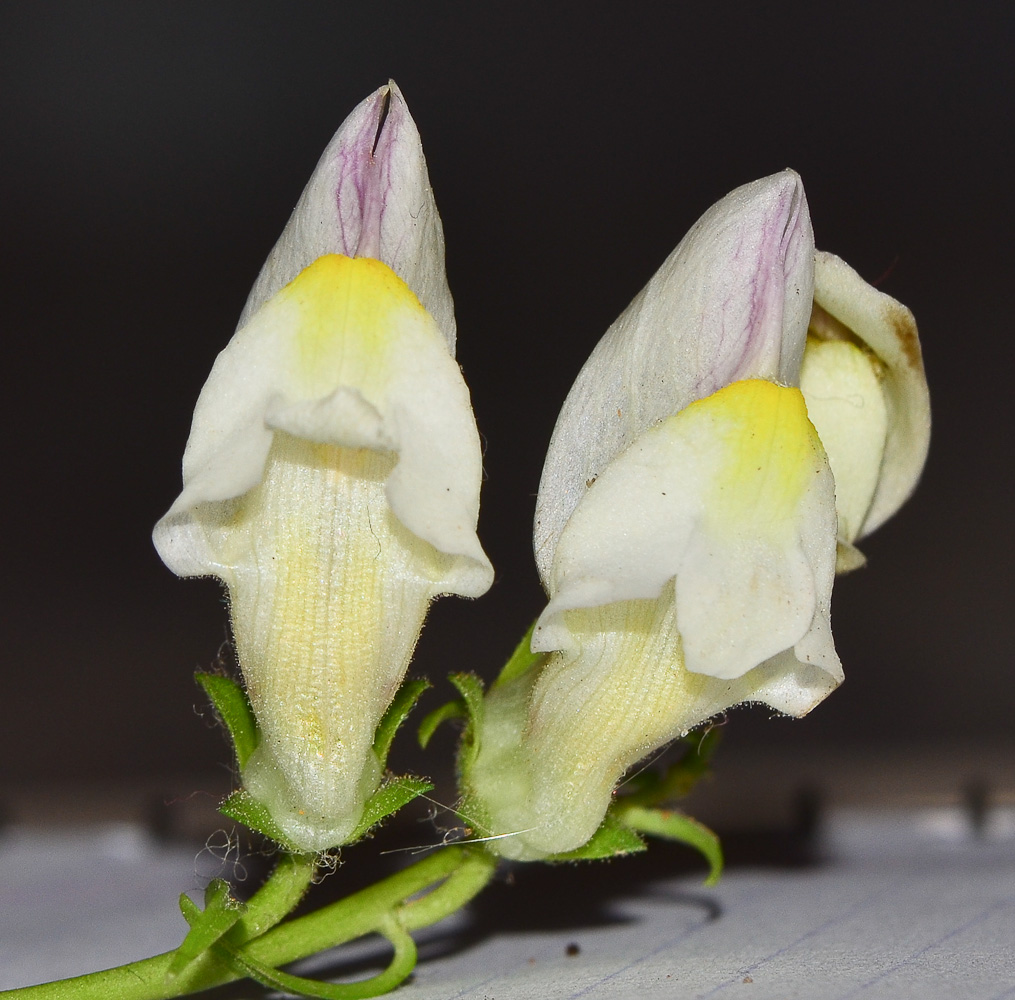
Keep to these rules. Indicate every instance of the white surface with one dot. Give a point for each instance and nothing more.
(76, 901)
(908, 905)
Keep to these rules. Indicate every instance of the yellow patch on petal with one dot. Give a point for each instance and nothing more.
(747, 580)
(351, 314)
(768, 455)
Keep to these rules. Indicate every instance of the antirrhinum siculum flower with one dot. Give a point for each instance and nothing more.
(686, 525)
(332, 474)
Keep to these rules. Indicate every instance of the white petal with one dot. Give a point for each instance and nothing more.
(846, 404)
(344, 419)
(787, 684)
(731, 302)
(345, 355)
(331, 480)
(328, 591)
(732, 497)
(554, 746)
(369, 196)
(888, 329)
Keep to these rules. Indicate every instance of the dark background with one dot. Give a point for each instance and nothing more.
(151, 154)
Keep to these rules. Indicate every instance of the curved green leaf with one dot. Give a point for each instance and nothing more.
(450, 710)
(207, 926)
(672, 825)
(402, 964)
(398, 711)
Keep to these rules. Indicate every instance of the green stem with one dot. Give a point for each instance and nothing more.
(362, 912)
(402, 964)
(464, 883)
(277, 898)
(457, 871)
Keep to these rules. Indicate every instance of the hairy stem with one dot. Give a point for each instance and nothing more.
(454, 874)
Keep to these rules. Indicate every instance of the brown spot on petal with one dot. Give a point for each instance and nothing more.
(825, 326)
(904, 325)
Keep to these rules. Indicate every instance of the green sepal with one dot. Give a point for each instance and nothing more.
(230, 701)
(245, 809)
(521, 660)
(613, 839)
(207, 926)
(470, 687)
(390, 797)
(450, 710)
(398, 711)
(673, 825)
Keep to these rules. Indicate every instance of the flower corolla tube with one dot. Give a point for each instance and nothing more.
(332, 474)
(755, 411)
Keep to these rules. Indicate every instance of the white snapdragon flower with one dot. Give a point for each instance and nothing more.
(686, 525)
(332, 474)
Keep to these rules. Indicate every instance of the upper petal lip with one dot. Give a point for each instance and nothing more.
(368, 196)
(731, 302)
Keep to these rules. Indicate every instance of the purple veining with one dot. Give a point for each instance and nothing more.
(369, 196)
(780, 232)
(364, 167)
(764, 255)
(731, 302)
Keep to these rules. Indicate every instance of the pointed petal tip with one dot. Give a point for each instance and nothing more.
(779, 202)
(783, 188)
(389, 118)
(787, 192)
(789, 179)
(786, 184)
(369, 196)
